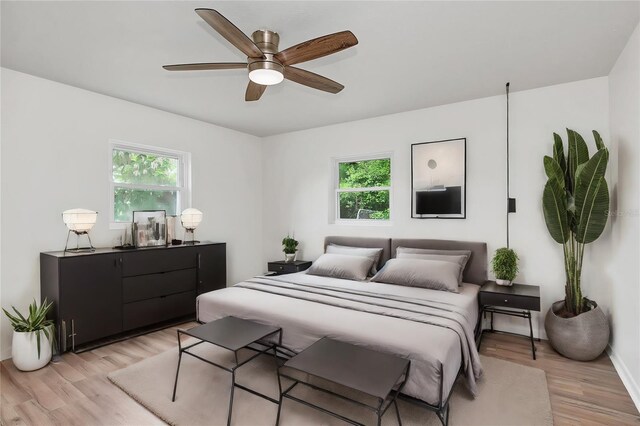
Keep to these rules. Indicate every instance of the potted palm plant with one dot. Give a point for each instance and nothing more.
(33, 337)
(505, 266)
(575, 203)
(289, 247)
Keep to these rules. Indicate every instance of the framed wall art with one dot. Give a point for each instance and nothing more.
(149, 228)
(439, 179)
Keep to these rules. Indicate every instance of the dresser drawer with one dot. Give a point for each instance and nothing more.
(158, 309)
(510, 301)
(152, 261)
(142, 287)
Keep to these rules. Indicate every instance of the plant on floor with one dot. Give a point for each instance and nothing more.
(505, 264)
(26, 330)
(35, 322)
(289, 245)
(575, 203)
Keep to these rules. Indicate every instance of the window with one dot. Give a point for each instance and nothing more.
(147, 178)
(363, 189)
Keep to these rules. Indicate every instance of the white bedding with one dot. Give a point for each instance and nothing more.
(429, 327)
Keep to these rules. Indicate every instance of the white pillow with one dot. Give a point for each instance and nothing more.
(460, 257)
(433, 274)
(372, 253)
(341, 266)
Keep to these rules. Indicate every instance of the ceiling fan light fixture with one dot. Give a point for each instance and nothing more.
(266, 77)
(266, 73)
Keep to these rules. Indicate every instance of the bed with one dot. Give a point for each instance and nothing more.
(434, 329)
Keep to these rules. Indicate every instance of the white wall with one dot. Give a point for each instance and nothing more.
(55, 157)
(297, 176)
(624, 107)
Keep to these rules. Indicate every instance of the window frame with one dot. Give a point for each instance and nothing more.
(184, 176)
(336, 190)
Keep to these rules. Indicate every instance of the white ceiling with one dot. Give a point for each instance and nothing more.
(411, 54)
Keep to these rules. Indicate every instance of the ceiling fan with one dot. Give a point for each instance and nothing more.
(267, 66)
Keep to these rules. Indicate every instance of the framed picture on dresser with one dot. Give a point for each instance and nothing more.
(439, 179)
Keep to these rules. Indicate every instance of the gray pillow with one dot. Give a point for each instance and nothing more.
(372, 253)
(459, 256)
(433, 274)
(341, 266)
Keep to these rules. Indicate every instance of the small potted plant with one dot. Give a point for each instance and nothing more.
(289, 247)
(505, 266)
(33, 337)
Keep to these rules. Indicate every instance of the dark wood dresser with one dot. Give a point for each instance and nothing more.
(107, 294)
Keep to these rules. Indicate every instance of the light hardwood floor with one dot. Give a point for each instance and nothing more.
(76, 391)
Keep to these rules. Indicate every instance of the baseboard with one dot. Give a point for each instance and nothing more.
(627, 379)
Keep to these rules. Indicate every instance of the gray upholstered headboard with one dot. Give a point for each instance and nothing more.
(383, 243)
(476, 270)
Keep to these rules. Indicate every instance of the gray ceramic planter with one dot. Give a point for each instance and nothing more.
(582, 338)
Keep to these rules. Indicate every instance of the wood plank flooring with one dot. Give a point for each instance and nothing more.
(76, 391)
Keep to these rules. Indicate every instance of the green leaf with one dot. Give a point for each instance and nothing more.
(14, 321)
(38, 341)
(22, 319)
(558, 152)
(599, 143)
(592, 198)
(553, 170)
(554, 206)
(578, 154)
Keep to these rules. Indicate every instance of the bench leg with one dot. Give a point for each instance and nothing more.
(233, 388)
(395, 402)
(279, 409)
(175, 384)
(443, 415)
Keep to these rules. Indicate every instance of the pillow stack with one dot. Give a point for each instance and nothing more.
(349, 263)
(426, 268)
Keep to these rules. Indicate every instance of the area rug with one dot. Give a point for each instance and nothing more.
(509, 394)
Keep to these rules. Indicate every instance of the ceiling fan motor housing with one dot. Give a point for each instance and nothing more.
(267, 41)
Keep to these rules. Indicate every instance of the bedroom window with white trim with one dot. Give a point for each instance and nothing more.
(363, 189)
(147, 178)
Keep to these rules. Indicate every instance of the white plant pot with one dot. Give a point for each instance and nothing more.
(504, 282)
(24, 350)
(289, 257)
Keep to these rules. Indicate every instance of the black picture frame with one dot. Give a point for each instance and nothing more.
(446, 197)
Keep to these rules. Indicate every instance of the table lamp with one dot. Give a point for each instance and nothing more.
(80, 222)
(190, 219)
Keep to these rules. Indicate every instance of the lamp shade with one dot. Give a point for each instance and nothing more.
(191, 218)
(79, 220)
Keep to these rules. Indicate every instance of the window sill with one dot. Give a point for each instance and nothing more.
(363, 222)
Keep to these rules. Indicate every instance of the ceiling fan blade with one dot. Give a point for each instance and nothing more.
(205, 66)
(313, 80)
(317, 48)
(254, 91)
(229, 31)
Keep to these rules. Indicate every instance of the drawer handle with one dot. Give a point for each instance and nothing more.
(506, 300)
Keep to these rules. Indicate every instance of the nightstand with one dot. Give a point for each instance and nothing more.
(517, 300)
(280, 267)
